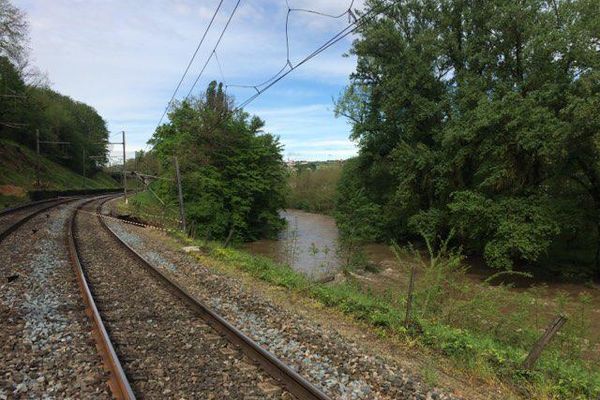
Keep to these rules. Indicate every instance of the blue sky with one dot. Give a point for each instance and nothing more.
(125, 58)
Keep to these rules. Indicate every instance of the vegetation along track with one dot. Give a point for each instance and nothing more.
(11, 219)
(165, 338)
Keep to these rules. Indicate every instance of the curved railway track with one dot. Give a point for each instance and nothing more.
(157, 339)
(12, 218)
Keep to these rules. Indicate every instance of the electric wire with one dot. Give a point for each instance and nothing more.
(288, 62)
(191, 61)
(215, 48)
(351, 28)
(219, 65)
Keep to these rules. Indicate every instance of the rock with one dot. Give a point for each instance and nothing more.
(21, 388)
(190, 249)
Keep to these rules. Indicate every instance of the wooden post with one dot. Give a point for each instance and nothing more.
(37, 165)
(180, 195)
(409, 297)
(124, 171)
(538, 347)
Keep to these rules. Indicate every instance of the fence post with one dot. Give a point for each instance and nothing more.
(538, 347)
(124, 171)
(409, 297)
(38, 161)
(180, 195)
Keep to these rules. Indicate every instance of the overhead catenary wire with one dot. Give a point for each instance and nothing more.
(191, 61)
(351, 28)
(213, 52)
(288, 62)
(356, 23)
(219, 65)
(287, 21)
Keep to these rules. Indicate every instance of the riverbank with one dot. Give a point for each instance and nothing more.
(480, 357)
(483, 332)
(309, 245)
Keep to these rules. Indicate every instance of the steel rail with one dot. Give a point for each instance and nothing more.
(293, 382)
(118, 382)
(13, 227)
(23, 206)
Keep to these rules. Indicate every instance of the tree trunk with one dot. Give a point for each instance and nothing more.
(597, 258)
(229, 236)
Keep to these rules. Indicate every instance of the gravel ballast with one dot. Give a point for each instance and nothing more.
(46, 347)
(341, 368)
(166, 349)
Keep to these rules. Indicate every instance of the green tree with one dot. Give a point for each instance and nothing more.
(13, 33)
(26, 107)
(484, 116)
(12, 99)
(232, 172)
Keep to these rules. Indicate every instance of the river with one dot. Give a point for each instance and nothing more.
(309, 244)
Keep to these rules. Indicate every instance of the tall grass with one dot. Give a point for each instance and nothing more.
(491, 328)
(484, 332)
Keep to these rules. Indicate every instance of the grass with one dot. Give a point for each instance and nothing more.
(485, 331)
(17, 174)
(148, 208)
(478, 353)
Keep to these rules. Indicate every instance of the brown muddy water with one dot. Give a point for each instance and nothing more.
(310, 245)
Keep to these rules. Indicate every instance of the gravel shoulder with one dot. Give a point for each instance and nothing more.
(46, 347)
(347, 360)
(167, 350)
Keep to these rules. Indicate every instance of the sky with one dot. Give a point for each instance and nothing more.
(125, 57)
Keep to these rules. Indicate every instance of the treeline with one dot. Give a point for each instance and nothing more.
(312, 187)
(479, 121)
(28, 105)
(233, 175)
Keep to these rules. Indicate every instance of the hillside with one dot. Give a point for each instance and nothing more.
(17, 174)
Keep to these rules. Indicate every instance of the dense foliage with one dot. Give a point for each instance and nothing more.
(480, 118)
(312, 186)
(233, 173)
(27, 107)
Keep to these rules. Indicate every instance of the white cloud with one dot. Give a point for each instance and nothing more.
(125, 58)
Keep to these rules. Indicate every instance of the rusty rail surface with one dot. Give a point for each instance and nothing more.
(286, 376)
(53, 203)
(118, 382)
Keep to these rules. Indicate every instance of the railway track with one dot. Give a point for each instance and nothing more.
(11, 219)
(157, 340)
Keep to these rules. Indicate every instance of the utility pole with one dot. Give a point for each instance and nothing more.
(180, 193)
(37, 165)
(124, 159)
(124, 171)
(83, 165)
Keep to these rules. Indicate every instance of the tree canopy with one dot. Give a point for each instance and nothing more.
(27, 107)
(232, 172)
(482, 118)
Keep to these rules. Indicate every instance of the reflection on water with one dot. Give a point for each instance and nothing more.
(309, 244)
